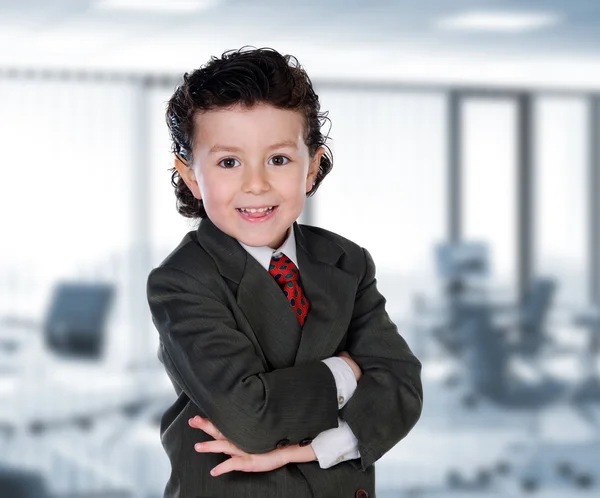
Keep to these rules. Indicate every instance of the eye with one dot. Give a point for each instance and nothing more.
(279, 160)
(228, 162)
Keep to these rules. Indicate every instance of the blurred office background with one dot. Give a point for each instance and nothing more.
(465, 138)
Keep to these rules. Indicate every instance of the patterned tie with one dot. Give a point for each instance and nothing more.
(286, 274)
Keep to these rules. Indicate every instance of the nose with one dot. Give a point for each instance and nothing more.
(255, 180)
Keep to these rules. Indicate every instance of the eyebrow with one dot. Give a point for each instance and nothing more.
(231, 148)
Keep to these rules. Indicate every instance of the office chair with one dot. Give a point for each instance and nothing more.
(76, 319)
(589, 390)
(487, 361)
(525, 332)
(533, 315)
(18, 483)
(460, 265)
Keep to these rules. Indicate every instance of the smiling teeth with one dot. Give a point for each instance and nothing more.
(253, 210)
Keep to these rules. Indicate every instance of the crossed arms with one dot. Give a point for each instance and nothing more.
(217, 366)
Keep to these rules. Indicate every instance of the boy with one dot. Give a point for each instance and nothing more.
(273, 333)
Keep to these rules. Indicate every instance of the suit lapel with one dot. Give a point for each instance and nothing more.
(269, 313)
(329, 290)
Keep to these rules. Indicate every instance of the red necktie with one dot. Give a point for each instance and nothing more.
(287, 276)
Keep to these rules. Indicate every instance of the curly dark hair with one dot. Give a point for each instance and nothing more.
(245, 76)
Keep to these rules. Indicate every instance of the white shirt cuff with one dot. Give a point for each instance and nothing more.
(335, 445)
(345, 381)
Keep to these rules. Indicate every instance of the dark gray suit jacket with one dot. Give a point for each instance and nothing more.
(236, 354)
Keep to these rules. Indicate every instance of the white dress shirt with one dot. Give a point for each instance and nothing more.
(338, 444)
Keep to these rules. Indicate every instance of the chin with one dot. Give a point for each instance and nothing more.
(264, 239)
(257, 241)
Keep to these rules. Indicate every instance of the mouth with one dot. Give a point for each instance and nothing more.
(257, 214)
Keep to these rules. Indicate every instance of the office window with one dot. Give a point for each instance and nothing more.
(489, 192)
(561, 196)
(387, 189)
(66, 151)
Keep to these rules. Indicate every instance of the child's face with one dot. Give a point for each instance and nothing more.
(251, 158)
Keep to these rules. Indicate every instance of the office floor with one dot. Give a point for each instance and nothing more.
(445, 455)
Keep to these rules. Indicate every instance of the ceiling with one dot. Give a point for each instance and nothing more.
(374, 39)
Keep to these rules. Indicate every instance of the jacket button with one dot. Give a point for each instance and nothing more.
(284, 443)
(361, 493)
(305, 442)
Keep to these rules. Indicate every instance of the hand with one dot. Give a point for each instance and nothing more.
(353, 365)
(242, 461)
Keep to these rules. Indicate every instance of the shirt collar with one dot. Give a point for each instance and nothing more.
(263, 254)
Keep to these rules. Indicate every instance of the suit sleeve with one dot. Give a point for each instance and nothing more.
(388, 399)
(218, 368)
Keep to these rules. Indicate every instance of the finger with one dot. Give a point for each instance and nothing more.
(207, 426)
(234, 463)
(220, 446)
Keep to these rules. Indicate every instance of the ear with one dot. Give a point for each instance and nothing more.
(313, 169)
(189, 176)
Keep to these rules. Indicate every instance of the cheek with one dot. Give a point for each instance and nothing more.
(294, 190)
(214, 188)
(297, 181)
